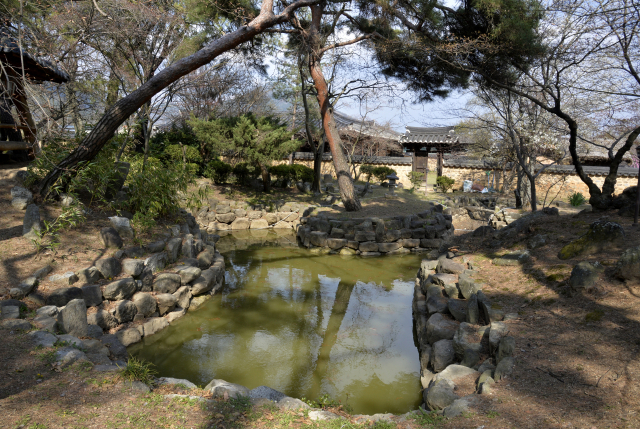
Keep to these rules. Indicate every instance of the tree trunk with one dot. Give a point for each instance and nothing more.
(317, 168)
(345, 182)
(266, 178)
(125, 107)
(534, 201)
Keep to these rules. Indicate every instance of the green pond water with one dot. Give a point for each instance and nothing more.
(305, 325)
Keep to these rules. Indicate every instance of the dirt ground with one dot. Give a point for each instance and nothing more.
(577, 354)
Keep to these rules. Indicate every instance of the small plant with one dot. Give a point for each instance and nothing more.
(594, 316)
(492, 414)
(416, 178)
(381, 173)
(367, 170)
(445, 183)
(138, 370)
(326, 401)
(577, 199)
(48, 238)
(431, 418)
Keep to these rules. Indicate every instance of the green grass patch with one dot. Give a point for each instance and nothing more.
(594, 316)
(138, 370)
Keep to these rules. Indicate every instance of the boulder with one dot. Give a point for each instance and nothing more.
(469, 337)
(221, 388)
(458, 309)
(318, 238)
(442, 355)
(188, 273)
(129, 336)
(154, 325)
(21, 197)
(204, 283)
(60, 297)
(455, 372)
(166, 303)
(484, 231)
(145, 303)
(241, 223)
(173, 249)
(259, 224)
(439, 328)
(109, 267)
(497, 330)
(538, 241)
(92, 295)
(89, 275)
(16, 324)
(42, 339)
(440, 395)
(133, 267)
(467, 286)
(506, 347)
(125, 311)
(31, 225)
(103, 319)
(447, 266)
(183, 297)
(166, 283)
(72, 319)
(24, 288)
(584, 275)
(602, 235)
(437, 304)
(176, 382)
(628, 266)
(156, 262)
(461, 406)
(110, 238)
(117, 350)
(120, 289)
(205, 259)
(336, 243)
(318, 415)
(67, 278)
(388, 247)
(68, 356)
(473, 310)
(10, 312)
(504, 368)
(122, 225)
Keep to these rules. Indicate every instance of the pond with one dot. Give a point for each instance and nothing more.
(303, 324)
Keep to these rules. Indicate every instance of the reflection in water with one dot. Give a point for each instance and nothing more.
(305, 325)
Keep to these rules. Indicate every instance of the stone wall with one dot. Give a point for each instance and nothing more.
(459, 333)
(554, 182)
(429, 231)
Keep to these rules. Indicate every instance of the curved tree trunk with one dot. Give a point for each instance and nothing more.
(121, 110)
(345, 182)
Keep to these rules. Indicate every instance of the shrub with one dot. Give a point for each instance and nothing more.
(244, 172)
(367, 170)
(445, 183)
(302, 173)
(577, 199)
(381, 173)
(282, 172)
(416, 178)
(218, 171)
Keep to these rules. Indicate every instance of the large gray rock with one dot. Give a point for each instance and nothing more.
(133, 267)
(176, 382)
(455, 372)
(42, 339)
(628, 266)
(129, 336)
(319, 415)
(183, 297)
(173, 249)
(467, 286)
(125, 311)
(496, 332)
(31, 225)
(68, 356)
(205, 282)
(538, 241)
(506, 347)
(89, 275)
(219, 388)
(442, 355)
(154, 325)
(440, 395)
(267, 393)
(440, 328)
(188, 273)
(110, 238)
(21, 197)
(109, 267)
(458, 309)
(166, 303)
(461, 406)
(145, 303)
(73, 318)
(584, 275)
(473, 310)
(16, 324)
(122, 225)
(117, 350)
(120, 289)
(156, 262)
(103, 319)
(166, 283)
(60, 297)
(504, 368)
(447, 266)
(188, 247)
(470, 337)
(92, 295)
(24, 288)
(437, 304)
(10, 312)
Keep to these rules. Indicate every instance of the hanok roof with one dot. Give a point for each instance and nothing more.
(35, 69)
(431, 135)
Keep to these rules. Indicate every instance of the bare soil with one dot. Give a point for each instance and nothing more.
(577, 354)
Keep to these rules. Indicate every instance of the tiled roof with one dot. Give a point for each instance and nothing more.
(35, 68)
(445, 135)
(561, 169)
(397, 160)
